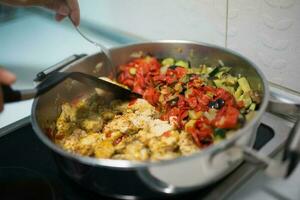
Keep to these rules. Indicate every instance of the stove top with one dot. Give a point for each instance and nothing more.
(28, 170)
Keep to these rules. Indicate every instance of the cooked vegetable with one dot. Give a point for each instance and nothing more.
(182, 63)
(244, 84)
(191, 102)
(168, 62)
(219, 133)
(186, 109)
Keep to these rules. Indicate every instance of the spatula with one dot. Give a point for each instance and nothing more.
(11, 95)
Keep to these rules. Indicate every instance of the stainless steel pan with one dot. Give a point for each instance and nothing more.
(128, 179)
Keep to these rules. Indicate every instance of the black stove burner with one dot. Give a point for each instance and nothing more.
(34, 174)
(22, 183)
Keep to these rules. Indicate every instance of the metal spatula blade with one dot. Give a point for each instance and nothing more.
(11, 95)
(105, 84)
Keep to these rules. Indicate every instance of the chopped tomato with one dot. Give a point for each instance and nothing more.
(227, 117)
(167, 133)
(151, 95)
(175, 92)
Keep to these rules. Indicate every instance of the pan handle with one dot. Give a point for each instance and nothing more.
(57, 67)
(291, 153)
(277, 168)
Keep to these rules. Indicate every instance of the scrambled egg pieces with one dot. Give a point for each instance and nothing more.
(120, 130)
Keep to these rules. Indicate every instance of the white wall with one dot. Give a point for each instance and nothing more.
(266, 31)
(199, 20)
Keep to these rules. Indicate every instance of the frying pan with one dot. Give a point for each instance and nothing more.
(131, 179)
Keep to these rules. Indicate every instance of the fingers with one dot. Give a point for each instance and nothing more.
(75, 12)
(1, 100)
(6, 77)
(59, 17)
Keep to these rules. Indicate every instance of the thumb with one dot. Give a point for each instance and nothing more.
(6, 77)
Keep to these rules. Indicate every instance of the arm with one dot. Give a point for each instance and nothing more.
(63, 8)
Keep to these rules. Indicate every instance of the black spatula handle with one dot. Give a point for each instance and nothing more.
(9, 94)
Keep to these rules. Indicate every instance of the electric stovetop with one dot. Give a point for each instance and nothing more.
(28, 170)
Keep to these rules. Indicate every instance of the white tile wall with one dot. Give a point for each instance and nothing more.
(198, 20)
(268, 32)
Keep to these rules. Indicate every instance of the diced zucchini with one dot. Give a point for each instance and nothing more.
(228, 89)
(204, 69)
(168, 62)
(188, 92)
(230, 80)
(246, 99)
(244, 84)
(163, 69)
(190, 124)
(182, 63)
(195, 70)
(214, 71)
(238, 93)
(225, 69)
(218, 83)
(222, 71)
(219, 74)
(252, 106)
(209, 70)
(194, 115)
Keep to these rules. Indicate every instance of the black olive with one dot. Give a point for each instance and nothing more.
(211, 104)
(172, 67)
(218, 104)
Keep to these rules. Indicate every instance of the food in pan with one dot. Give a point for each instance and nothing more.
(183, 110)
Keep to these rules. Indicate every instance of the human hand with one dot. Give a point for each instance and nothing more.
(6, 78)
(62, 8)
